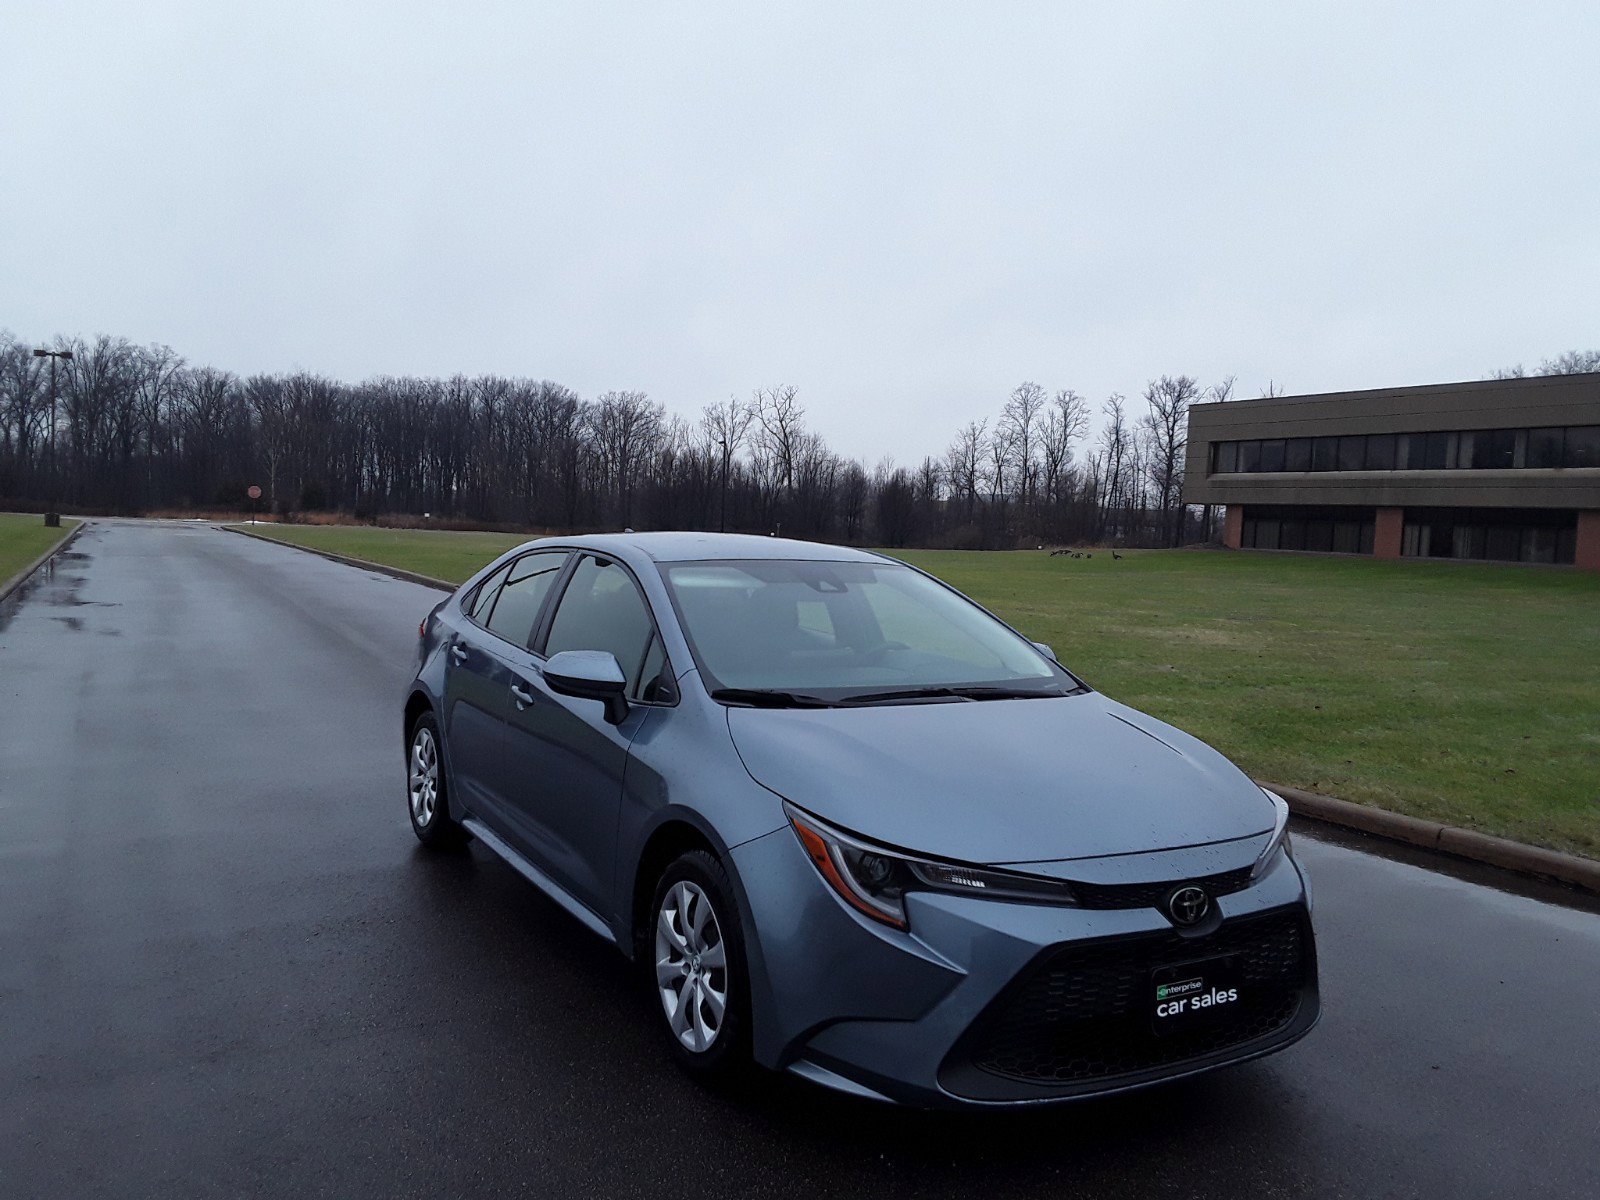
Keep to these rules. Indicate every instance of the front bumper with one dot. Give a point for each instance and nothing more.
(989, 1003)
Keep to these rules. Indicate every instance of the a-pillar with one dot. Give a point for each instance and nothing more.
(1387, 531)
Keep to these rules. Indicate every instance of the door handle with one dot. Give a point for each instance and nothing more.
(522, 695)
(458, 652)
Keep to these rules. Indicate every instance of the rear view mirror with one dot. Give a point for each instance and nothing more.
(590, 675)
(1044, 650)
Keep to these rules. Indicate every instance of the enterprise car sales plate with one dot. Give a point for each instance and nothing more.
(1194, 995)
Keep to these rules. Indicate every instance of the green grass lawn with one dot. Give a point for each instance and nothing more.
(1466, 693)
(23, 537)
(440, 553)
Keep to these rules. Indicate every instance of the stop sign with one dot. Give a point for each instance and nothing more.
(254, 493)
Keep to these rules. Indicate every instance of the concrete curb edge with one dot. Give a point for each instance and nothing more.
(1499, 852)
(1571, 869)
(22, 577)
(349, 561)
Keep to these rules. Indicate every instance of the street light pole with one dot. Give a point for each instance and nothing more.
(53, 517)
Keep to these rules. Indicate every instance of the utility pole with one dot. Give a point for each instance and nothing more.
(53, 517)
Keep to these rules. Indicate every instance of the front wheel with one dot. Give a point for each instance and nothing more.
(698, 967)
(425, 789)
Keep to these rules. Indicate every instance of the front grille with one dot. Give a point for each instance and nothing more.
(1080, 1012)
(1150, 895)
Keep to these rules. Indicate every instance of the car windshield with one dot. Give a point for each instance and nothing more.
(848, 632)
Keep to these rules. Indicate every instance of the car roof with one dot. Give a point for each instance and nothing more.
(690, 547)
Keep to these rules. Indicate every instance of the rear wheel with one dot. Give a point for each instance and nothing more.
(697, 967)
(425, 788)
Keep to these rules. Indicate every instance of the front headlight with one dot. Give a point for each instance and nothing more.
(874, 880)
(1280, 835)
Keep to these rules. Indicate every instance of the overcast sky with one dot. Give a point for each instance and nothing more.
(904, 210)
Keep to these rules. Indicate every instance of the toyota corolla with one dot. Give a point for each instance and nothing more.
(851, 825)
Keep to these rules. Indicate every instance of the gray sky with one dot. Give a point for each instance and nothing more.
(902, 209)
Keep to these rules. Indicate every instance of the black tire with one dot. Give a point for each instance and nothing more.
(728, 1054)
(430, 818)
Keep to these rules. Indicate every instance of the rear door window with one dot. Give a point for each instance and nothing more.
(481, 601)
(522, 596)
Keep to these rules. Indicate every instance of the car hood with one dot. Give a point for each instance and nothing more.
(1002, 781)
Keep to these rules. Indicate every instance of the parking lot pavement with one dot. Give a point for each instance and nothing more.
(226, 968)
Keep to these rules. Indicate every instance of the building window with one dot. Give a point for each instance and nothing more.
(1494, 449)
(1307, 527)
(1413, 538)
(1409, 452)
(1501, 535)
(1544, 448)
(1380, 451)
(1583, 447)
(1502, 543)
(1437, 450)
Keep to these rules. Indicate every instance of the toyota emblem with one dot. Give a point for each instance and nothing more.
(1187, 905)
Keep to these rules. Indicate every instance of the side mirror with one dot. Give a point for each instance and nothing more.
(590, 675)
(1045, 650)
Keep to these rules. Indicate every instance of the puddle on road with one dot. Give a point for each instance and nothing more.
(57, 584)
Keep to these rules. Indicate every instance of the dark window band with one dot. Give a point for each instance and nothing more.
(1458, 450)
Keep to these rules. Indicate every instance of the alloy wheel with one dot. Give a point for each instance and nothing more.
(424, 778)
(691, 966)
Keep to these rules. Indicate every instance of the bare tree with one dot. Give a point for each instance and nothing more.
(1165, 426)
(264, 395)
(206, 418)
(1017, 431)
(781, 420)
(1065, 423)
(24, 410)
(726, 426)
(1573, 362)
(964, 462)
(138, 427)
(627, 429)
(158, 370)
(1115, 446)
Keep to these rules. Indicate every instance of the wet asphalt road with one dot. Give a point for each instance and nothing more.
(226, 969)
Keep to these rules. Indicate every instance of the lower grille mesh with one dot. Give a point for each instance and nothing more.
(1081, 1012)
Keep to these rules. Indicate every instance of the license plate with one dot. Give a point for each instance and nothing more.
(1194, 995)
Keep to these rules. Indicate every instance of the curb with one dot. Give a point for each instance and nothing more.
(1570, 869)
(365, 564)
(22, 577)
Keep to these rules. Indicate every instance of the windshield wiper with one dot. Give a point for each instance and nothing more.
(768, 698)
(954, 693)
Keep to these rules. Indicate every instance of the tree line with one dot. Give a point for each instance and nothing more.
(137, 429)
